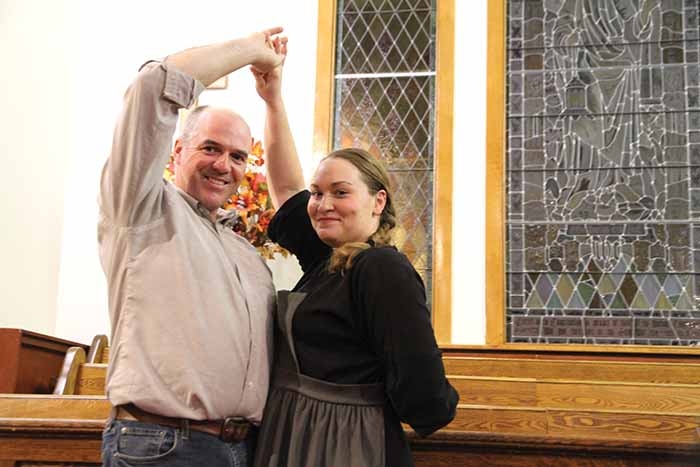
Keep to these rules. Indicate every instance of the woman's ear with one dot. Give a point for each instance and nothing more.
(379, 202)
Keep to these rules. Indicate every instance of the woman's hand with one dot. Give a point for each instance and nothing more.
(269, 83)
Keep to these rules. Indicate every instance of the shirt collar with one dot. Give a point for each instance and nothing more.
(222, 215)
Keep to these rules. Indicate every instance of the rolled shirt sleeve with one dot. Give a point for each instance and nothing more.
(132, 179)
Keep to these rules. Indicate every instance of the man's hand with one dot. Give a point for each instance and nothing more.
(269, 50)
(269, 83)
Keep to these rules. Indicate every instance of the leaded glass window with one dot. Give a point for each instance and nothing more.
(385, 103)
(603, 172)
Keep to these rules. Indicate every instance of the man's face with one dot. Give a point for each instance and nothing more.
(211, 162)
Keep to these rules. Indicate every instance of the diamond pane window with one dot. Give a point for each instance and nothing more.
(385, 103)
(603, 172)
(385, 36)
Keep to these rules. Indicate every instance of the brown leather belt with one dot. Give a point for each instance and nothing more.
(229, 430)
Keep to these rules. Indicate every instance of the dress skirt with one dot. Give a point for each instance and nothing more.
(314, 423)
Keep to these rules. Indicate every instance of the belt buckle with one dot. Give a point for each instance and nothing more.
(234, 429)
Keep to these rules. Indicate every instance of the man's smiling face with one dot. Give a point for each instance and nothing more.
(211, 161)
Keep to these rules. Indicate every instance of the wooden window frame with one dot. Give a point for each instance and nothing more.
(442, 191)
(496, 206)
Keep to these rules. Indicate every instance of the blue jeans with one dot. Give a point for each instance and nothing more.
(127, 443)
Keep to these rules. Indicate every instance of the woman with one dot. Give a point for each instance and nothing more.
(355, 351)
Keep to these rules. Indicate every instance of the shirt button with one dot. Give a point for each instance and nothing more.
(250, 384)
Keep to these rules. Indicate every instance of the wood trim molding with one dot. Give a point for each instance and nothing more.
(325, 71)
(581, 348)
(495, 170)
(443, 154)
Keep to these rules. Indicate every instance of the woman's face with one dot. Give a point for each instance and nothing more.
(341, 208)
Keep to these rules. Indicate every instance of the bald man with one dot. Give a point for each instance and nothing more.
(190, 301)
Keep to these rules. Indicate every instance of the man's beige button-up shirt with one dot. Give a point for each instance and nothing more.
(190, 302)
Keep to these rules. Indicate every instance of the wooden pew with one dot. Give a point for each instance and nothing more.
(99, 350)
(515, 410)
(30, 362)
(81, 378)
(59, 429)
(540, 408)
(83, 374)
(614, 419)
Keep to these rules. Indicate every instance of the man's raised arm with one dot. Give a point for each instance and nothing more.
(210, 62)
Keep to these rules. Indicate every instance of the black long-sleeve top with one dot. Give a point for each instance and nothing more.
(368, 324)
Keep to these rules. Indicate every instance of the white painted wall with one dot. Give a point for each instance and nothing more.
(36, 42)
(67, 63)
(469, 174)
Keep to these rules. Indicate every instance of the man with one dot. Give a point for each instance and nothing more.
(190, 301)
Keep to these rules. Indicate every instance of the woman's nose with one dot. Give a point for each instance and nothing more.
(325, 203)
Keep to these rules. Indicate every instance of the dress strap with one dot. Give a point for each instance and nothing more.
(285, 353)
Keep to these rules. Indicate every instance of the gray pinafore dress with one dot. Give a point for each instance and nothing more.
(314, 423)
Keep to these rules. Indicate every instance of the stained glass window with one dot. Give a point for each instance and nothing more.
(603, 172)
(385, 103)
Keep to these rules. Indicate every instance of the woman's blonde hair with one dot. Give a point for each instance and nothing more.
(375, 176)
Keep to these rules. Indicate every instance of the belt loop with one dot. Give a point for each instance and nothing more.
(113, 412)
(185, 428)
